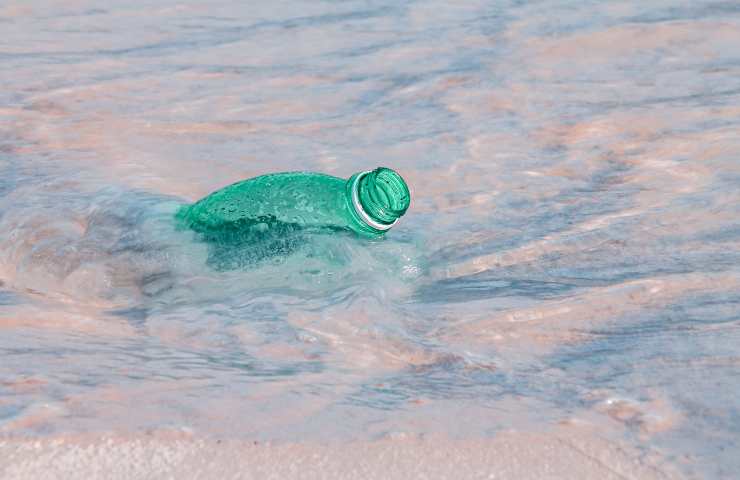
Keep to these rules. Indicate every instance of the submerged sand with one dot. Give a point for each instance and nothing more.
(572, 249)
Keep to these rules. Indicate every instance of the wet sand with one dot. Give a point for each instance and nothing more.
(566, 452)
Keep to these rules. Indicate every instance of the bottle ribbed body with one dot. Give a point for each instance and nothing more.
(301, 199)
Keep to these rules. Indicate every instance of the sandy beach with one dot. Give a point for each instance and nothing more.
(566, 452)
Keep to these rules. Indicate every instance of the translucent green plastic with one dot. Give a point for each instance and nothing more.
(269, 211)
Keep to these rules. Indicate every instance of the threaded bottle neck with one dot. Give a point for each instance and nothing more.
(380, 197)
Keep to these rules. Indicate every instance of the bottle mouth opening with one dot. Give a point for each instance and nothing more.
(380, 197)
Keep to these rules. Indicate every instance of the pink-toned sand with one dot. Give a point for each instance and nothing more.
(565, 453)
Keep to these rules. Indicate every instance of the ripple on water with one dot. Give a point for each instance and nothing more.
(570, 255)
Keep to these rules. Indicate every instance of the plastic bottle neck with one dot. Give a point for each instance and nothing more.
(379, 198)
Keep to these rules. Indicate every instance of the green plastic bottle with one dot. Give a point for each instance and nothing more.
(268, 211)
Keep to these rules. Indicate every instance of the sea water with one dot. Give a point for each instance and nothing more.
(572, 252)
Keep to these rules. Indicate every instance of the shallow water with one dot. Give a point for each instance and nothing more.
(572, 252)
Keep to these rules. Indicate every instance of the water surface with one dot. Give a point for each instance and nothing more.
(572, 252)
